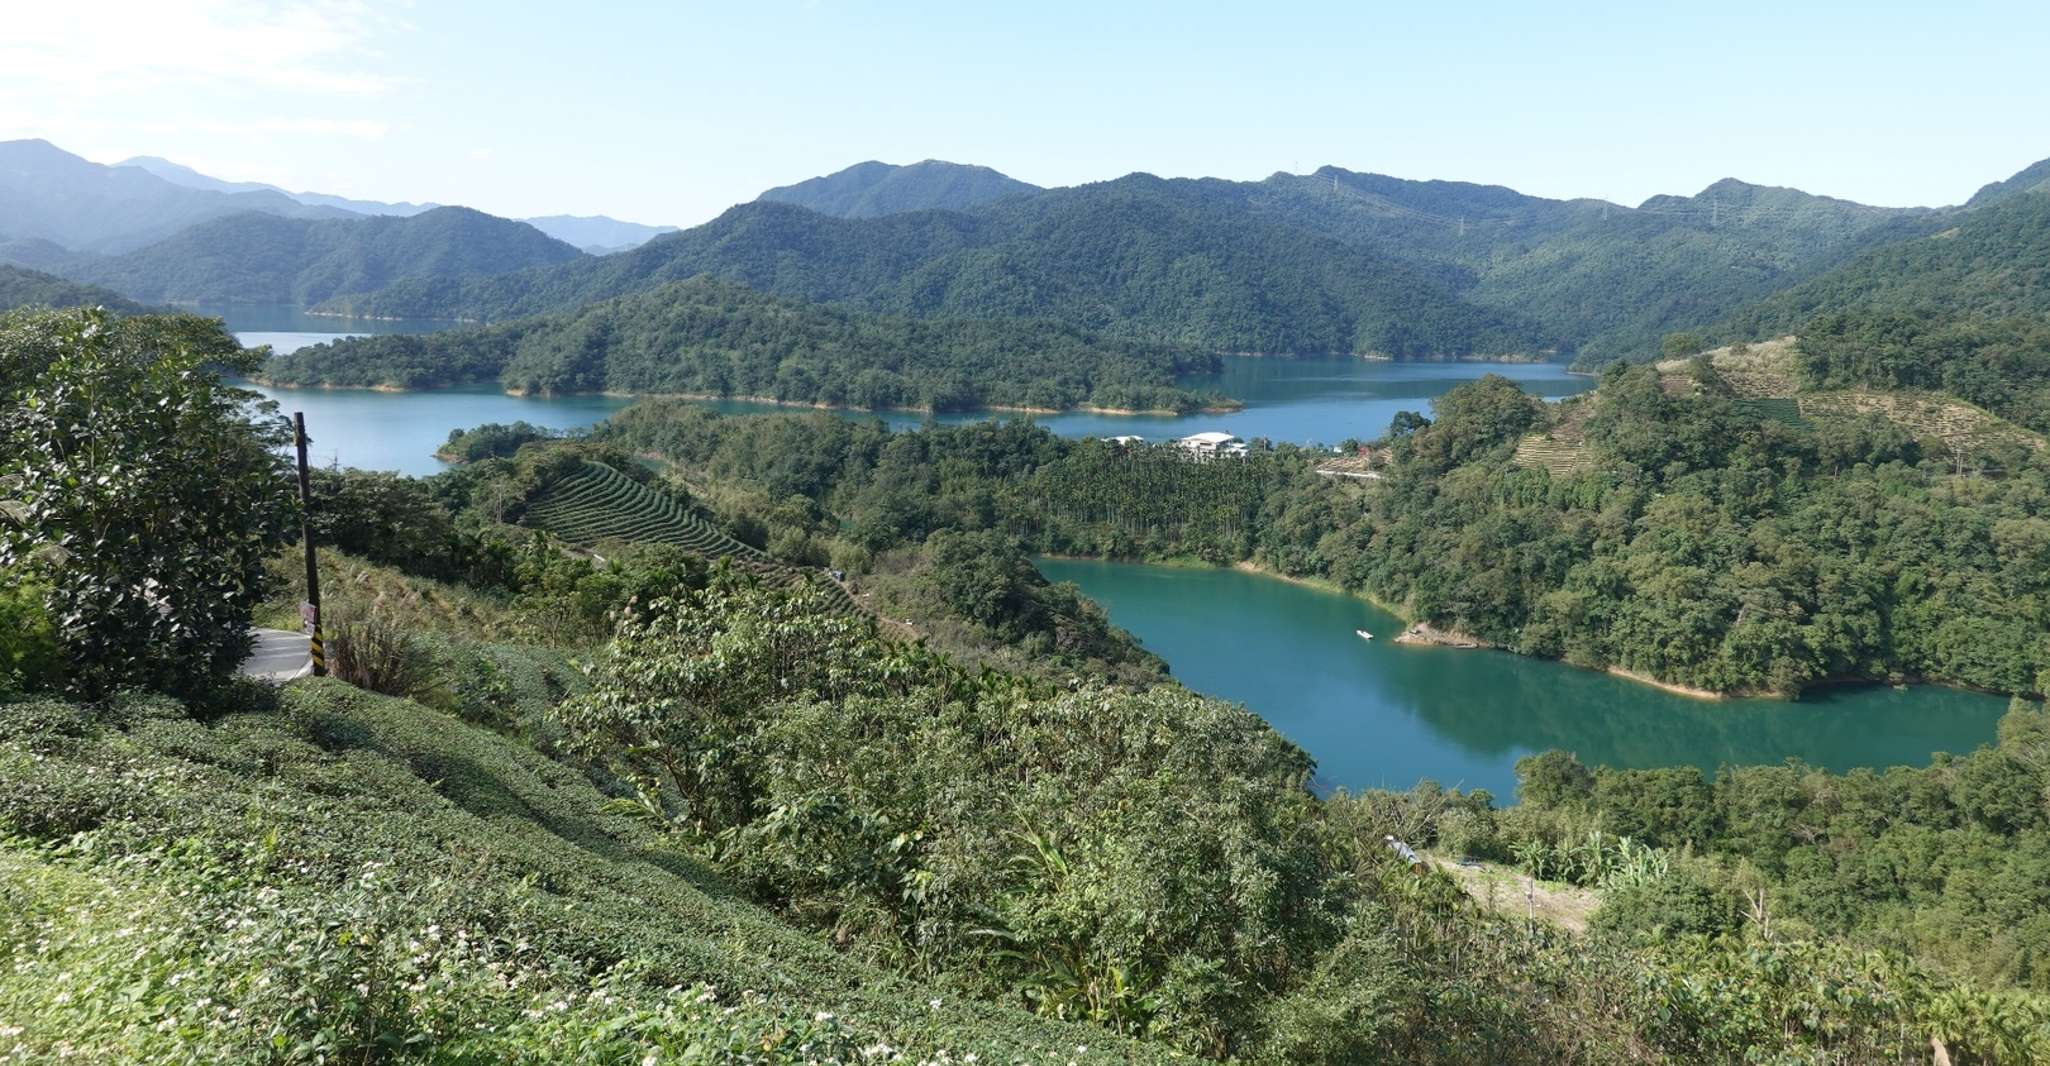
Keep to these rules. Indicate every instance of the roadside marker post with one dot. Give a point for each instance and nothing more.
(309, 611)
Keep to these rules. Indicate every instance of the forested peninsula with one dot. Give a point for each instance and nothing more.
(710, 338)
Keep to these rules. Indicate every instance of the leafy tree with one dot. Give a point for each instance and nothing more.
(1680, 345)
(144, 499)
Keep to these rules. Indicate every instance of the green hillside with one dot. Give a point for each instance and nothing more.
(866, 190)
(350, 877)
(1989, 261)
(32, 288)
(1607, 280)
(717, 338)
(1140, 258)
(1334, 261)
(264, 258)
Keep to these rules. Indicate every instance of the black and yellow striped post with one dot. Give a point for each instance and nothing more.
(309, 612)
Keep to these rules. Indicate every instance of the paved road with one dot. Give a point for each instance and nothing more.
(279, 655)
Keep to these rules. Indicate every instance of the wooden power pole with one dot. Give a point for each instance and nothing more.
(309, 612)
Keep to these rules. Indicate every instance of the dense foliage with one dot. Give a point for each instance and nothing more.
(33, 288)
(1992, 262)
(2000, 364)
(714, 338)
(1606, 281)
(258, 257)
(1706, 542)
(135, 494)
(1135, 259)
(1950, 862)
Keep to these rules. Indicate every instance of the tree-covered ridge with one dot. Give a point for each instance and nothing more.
(1990, 262)
(1600, 280)
(866, 190)
(705, 336)
(20, 287)
(1605, 279)
(1137, 259)
(1705, 540)
(263, 258)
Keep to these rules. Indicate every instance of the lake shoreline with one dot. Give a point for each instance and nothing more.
(812, 405)
(1417, 633)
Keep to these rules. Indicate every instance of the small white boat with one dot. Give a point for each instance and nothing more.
(1363, 634)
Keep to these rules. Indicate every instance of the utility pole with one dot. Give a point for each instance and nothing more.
(309, 612)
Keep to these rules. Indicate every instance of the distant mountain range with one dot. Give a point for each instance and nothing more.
(49, 194)
(597, 234)
(261, 258)
(1331, 262)
(871, 189)
(1170, 262)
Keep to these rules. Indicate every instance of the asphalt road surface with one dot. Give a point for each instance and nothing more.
(279, 655)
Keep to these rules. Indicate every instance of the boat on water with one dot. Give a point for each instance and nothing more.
(1363, 634)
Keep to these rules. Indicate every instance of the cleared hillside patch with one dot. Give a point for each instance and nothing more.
(599, 504)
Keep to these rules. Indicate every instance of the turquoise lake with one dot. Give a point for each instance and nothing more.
(1380, 714)
(1301, 401)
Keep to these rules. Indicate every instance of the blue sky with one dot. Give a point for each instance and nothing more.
(669, 112)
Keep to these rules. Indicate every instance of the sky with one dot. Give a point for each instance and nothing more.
(671, 112)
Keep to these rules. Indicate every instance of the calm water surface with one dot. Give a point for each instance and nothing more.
(1302, 401)
(1380, 714)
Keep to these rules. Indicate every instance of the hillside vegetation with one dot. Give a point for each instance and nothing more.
(1990, 262)
(1135, 259)
(265, 258)
(33, 288)
(756, 827)
(704, 336)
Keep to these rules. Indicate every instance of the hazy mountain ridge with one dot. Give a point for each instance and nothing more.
(50, 194)
(871, 189)
(262, 258)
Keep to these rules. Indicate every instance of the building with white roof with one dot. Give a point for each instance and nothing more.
(1212, 444)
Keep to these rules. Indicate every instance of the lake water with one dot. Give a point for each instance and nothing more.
(1302, 401)
(1380, 714)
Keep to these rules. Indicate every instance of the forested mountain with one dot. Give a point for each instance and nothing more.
(1273, 266)
(718, 338)
(866, 190)
(263, 258)
(48, 193)
(1992, 260)
(1138, 258)
(20, 287)
(1608, 280)
(2033, 178)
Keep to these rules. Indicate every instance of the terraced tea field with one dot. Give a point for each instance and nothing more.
(600, 504)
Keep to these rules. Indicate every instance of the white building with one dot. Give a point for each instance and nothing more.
(1211, 445)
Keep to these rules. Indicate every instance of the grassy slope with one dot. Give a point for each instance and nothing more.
(378, 826)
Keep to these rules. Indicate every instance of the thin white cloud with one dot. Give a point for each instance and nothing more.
(89, 50)
(367, 129)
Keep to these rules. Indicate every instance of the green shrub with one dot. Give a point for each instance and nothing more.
(29, 657)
